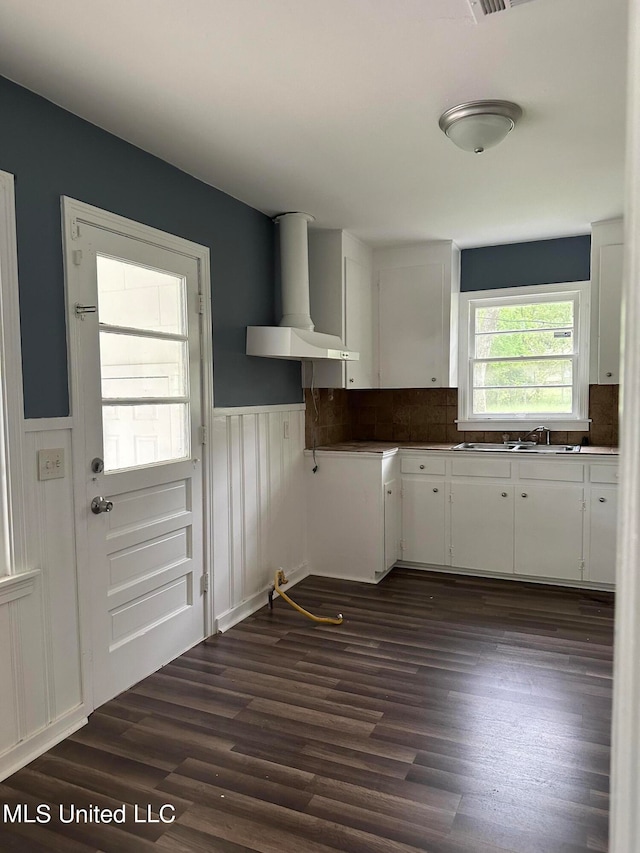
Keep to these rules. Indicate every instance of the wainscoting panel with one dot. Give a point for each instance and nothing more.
(51, 548)
(258, 505)
(40, 660)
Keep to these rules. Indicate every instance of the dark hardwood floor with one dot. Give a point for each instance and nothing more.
(447, 714)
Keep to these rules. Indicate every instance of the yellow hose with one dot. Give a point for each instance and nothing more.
(325, 620)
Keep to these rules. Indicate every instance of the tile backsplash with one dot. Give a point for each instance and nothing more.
(429, 414)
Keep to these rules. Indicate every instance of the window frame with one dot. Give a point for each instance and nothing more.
(578, 420)
(13, 536)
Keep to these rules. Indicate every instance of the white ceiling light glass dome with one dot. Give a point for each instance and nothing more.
(478, 125)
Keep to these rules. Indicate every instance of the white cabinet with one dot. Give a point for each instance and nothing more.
(391, 523)
(353, 514)
(417, 289)
(548, 531)
(342, 303)
(482, 526)
(499, 514)
(602, 538)
(607, 252)
(423, 520)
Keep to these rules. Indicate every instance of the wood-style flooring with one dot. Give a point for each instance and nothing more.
(447, 714)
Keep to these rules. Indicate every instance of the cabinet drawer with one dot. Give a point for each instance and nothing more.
(482, 468)
(422, 465)
(567, 472)
(603, 473)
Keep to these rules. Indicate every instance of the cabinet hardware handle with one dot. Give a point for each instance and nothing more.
(389, 492)
(435, 379)
(422, 467)
(351, 380)
(435, 490)
(504, 494)
(609, 374)
(602, 500)
(524, 494)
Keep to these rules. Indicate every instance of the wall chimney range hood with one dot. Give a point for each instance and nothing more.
(295, 337)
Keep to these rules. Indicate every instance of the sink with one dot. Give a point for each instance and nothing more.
(549, 448)
(517, 447)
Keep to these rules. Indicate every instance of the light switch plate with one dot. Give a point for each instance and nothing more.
(51, 463)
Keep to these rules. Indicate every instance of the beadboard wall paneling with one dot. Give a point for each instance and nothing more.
(40, 659)
(258, 506)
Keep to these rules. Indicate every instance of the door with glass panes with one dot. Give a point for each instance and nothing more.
(137, 381)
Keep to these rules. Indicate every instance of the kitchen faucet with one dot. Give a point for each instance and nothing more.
(538, 429)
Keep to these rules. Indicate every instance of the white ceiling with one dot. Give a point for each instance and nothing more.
(332, 106)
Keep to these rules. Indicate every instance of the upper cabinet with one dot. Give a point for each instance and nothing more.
(417, 336)
(607, 249)
(341, 298)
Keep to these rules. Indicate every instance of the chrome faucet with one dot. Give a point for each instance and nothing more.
(538, 429)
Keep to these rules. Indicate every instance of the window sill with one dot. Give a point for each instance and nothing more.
(519, 425)
(17, 586)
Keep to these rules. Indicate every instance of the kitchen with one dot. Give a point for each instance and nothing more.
(260, 473)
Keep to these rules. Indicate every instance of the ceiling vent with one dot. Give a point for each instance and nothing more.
(483, 8)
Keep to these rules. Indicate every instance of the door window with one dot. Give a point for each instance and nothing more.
(144, 364)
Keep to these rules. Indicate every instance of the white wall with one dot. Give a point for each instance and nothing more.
(258, 505)
(41, 700)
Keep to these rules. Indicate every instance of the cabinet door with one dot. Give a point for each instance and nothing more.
(610, 314)
(602, 535)
(412, 327)
(423, 521)
(391, 523)
(549, 525)
(359, 324)
(482, 527)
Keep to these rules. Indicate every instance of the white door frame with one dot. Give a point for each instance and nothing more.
(625, 794)
(74, 214)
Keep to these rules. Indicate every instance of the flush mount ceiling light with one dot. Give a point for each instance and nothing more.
(478, 125)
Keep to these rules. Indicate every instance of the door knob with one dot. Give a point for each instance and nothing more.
(101, 504)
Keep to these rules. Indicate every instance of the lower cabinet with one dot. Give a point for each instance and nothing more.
(602, 539)
(423, 521)
(549, 531)
(534, 519)
(353, 514)
(482, 526)
(547, 520)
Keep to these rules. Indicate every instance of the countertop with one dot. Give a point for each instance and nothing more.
(386, 446)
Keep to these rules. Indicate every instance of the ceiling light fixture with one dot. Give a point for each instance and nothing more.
(477, 125)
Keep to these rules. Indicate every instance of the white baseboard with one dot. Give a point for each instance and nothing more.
(236, 614)
(20, 755)
(474, 573)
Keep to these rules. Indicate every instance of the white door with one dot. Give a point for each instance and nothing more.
(482, 527)
(558, 510)
(391, 523)
(136, 370)
(359, 323)
(602, 534)
(411, 327)
(423, 521)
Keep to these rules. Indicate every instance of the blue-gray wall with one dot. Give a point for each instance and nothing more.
(520, 264)
(54, 153)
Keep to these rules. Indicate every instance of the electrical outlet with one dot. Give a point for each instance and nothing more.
(286, 429)
(51, 463)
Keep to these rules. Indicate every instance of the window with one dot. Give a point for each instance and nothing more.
(524, 357)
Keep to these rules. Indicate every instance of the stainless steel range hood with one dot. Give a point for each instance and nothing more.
(295, 337)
